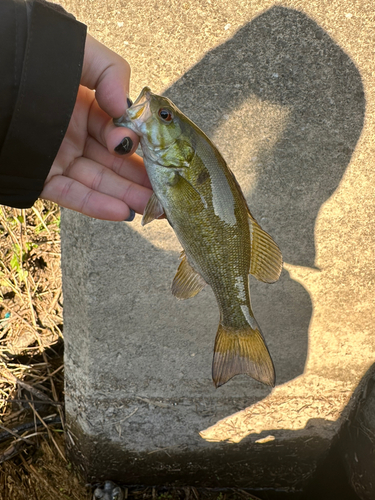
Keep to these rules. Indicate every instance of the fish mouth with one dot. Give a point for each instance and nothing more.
(138, 112)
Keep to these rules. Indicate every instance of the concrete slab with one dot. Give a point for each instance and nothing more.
(283, 92)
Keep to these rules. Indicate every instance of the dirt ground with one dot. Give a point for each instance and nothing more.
(32, 457)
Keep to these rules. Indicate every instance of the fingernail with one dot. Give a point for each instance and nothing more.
(125, 146)
(129, 101)
(131, 216)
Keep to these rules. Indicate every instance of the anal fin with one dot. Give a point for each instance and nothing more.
(187, 281)
(153, 210)
(266, 259)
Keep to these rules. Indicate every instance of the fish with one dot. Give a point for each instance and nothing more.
(194, 189)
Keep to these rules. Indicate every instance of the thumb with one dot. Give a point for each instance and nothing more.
(108, 74)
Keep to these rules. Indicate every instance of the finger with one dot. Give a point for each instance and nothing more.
(107, 73)
(70, 193)
(104, 131)
(130, 167)
(101, 179)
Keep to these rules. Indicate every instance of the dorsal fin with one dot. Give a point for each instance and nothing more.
(266, 259)
(187, 281)
(153, 210)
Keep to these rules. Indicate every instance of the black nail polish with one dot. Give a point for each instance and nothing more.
(131, 216)
(124, 147)
(129, 101)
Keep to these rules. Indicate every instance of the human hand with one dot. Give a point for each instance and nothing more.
(87, 175)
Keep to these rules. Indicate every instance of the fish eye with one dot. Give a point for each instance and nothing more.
(165, 114)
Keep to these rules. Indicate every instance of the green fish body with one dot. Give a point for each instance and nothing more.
(222, 242)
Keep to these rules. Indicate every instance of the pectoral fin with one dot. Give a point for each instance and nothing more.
(187, 281)
(190, 192)
(266, 259)
(152, 211)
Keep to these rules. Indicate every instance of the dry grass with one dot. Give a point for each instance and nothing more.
(30, 279)
(32, 456)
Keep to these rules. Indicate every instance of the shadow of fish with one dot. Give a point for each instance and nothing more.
(222, 242)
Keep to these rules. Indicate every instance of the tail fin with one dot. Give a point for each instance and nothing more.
(241, 351)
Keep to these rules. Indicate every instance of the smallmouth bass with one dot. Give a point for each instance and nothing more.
(222, 241)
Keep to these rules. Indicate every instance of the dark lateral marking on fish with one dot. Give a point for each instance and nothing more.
(202, 177)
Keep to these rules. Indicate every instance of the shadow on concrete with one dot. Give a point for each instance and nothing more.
(285, 58)
(337, 470)
(282, 58)
(280, 61)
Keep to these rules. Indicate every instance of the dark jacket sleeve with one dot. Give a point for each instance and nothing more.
(41, 56)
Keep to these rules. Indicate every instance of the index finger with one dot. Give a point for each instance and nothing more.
(108, 74)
